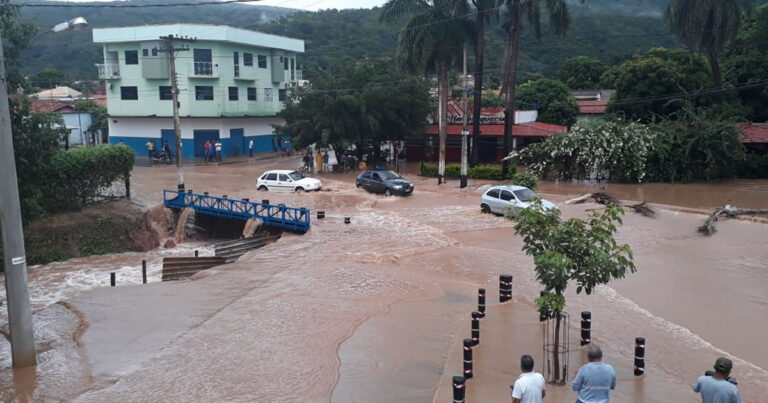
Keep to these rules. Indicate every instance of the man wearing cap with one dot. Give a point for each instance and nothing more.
(717, 388)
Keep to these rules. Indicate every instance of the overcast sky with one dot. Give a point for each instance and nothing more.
(309, 4)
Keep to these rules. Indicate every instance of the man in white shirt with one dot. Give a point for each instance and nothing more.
(250, 149)
(529, 386)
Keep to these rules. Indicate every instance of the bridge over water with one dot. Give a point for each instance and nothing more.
(280, 216)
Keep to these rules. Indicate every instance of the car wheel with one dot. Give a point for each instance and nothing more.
(485, 209)
(299, 189)
(387, 193)
(358, 185)
(263, 188)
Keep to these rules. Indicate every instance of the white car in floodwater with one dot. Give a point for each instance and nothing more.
(287, 180)
(499, 199)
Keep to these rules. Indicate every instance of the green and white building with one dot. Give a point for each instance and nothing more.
(232, 83)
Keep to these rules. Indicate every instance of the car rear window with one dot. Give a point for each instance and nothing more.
(493, 193)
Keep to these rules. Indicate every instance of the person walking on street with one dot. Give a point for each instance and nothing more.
(595, 379)
(311, 160)
(718, 387)
(325, 161)
(218, 150)
(319, 161)
(529, 386)
(250, 149)
(150, 149)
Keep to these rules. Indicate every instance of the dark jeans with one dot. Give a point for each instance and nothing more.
(250, 152)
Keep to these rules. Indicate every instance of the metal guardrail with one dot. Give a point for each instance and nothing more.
(176, 268)
(290, 218)
(232, 250)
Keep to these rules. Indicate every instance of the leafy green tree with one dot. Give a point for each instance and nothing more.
(581, 73)
(16, 38)
(746, 62)
(485, 10)
(551, 98)
(707, 26)
(433, 35)
(583, 252)
(559, 22)
(49, 78)
(99, 116)
(360, 103)
(646, 83)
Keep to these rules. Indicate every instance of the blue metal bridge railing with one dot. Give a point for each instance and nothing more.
(291, 218)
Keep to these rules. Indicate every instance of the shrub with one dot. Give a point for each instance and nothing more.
(82, 172)
(453, 171)
(526, 179)
(754, 167)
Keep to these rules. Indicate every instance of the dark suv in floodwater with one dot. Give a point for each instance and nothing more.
(386, 182)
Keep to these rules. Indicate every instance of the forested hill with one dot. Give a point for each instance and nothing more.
(607, 29)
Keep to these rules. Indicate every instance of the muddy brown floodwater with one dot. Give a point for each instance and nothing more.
(375, 311)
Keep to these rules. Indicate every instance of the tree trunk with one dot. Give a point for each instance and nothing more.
(716, 77)
(556, 351)
(442, 94)
(479, 50)
(726, 211)
(513, 45)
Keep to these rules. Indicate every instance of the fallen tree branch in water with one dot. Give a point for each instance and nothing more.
(726, 211)
(606, 199)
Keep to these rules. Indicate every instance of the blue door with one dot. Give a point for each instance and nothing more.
(237, 144)
(201, 136)
(170, 137)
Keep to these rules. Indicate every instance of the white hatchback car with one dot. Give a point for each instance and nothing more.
(498, 199)
(287, 180)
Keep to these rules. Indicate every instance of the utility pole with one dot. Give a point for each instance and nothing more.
(464, 130)
(171, 50)
(14, 256)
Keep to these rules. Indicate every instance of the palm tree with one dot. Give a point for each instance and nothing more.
(559, 21)
(433, 36)
(485, 10)
(706, 26)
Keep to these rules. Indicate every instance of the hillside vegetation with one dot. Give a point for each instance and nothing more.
(600, 29)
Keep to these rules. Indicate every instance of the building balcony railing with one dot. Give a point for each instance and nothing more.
(108, 71)
(247, 73)
(204, 70)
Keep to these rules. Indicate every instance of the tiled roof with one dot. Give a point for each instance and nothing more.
(533, 129)
(48, 105)
(753, 132)
(592, 107)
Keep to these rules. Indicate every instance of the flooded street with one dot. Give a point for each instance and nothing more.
(375, 311)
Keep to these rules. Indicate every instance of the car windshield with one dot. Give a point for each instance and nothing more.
(525, 195)
(296, 176)
(388, 175)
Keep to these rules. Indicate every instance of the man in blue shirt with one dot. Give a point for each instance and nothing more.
(718, 387)
(595, 379)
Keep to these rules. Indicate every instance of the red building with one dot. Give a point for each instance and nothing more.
(491, 141)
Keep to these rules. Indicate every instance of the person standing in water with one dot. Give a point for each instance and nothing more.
(529, 386)
(595, 379)
(718, 387)
(319, 161)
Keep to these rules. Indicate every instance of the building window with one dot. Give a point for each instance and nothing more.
(251, 93)
(233, 95)
(248, 59)
(203, 93)
(165, 93)
(145, 52)
(154, 51)
(262, 62)
(267, 94)
(129, 93)
(293, 69)
(131, 57)
(285, 64)
(281, 95)
(236, 58)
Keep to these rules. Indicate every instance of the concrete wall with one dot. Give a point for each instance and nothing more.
(77, 123)
(136, 132)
